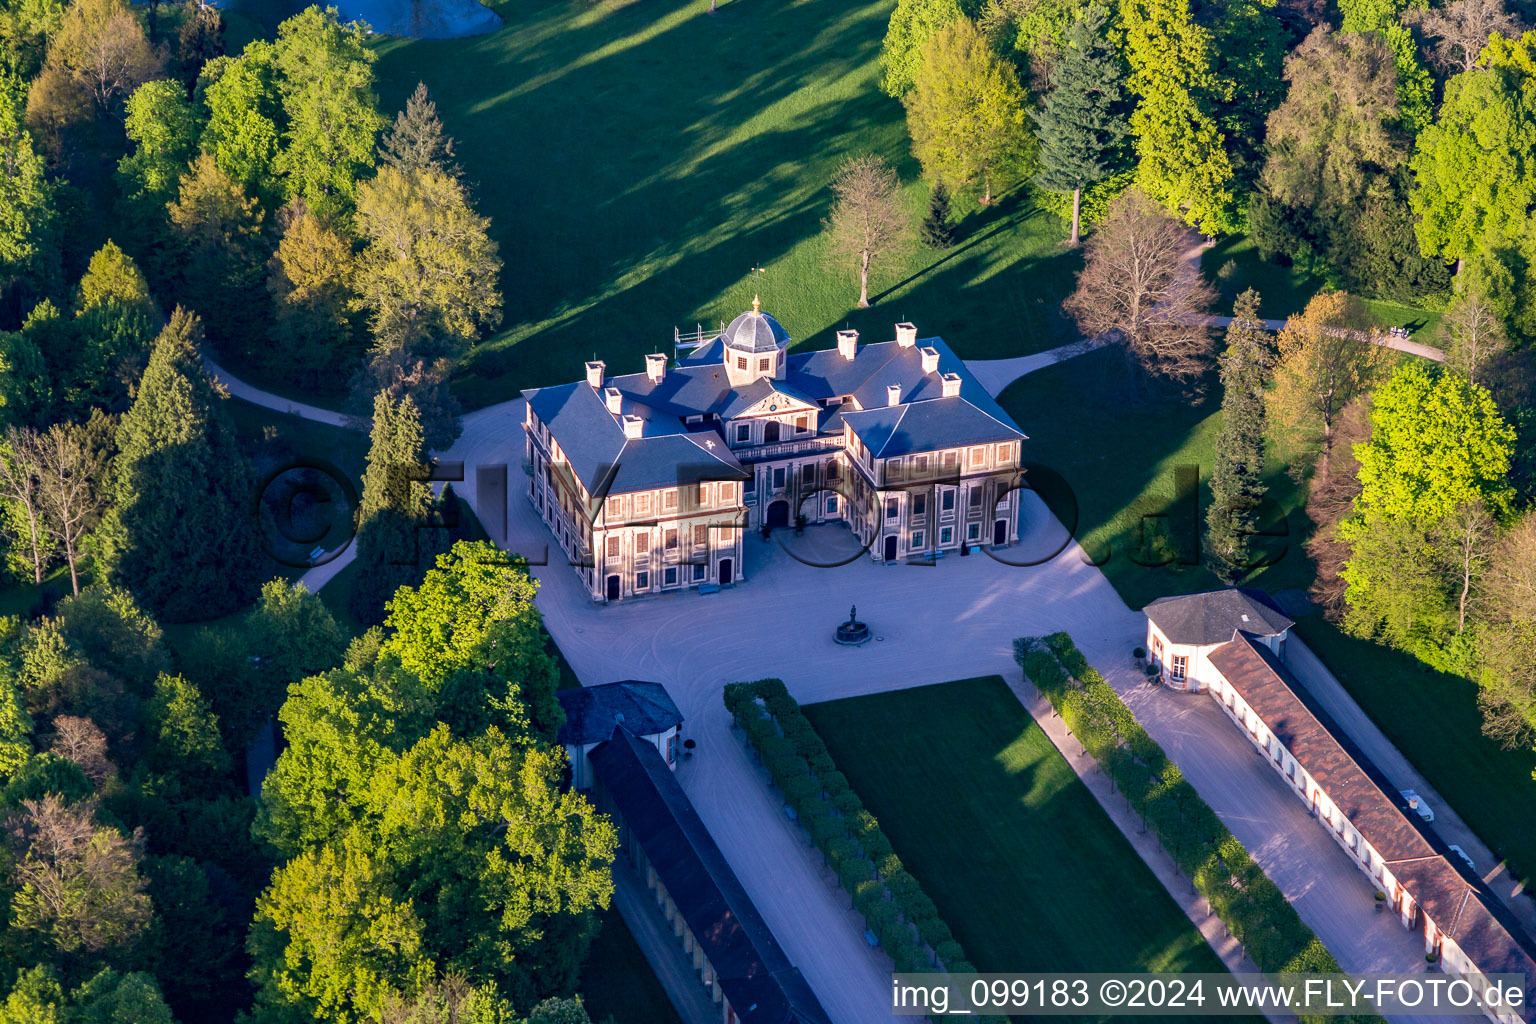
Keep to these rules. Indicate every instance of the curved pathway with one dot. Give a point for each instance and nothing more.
(936, 623)
(277, 403)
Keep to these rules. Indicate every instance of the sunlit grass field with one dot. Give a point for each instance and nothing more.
(638, 160)
(1023, 863)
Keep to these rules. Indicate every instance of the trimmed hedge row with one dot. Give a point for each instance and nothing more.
(1248, 903)
(900, 914)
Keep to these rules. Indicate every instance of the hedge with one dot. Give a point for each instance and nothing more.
(893, 903)
(1251, 906)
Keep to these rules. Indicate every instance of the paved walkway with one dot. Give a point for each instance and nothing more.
(267, 400)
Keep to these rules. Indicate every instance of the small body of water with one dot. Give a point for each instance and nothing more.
(419, 19)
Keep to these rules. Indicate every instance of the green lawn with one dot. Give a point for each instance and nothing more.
(616, 981)
(1022, 862)
(638, 160)
(1118, 450)
(1433, 719)
(1285, 290)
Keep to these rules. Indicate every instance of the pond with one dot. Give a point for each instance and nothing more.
(421, 19)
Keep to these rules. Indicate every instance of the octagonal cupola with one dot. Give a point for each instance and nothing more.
(755, 346)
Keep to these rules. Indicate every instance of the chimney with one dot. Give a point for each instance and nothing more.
(906, 335)
(930, 360)
(893, 394)
(633, 426)
(847, 343)
(655, 367)
(614, 399)
(951, 383)
(595, 373)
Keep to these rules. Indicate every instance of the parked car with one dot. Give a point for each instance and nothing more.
(1418, 805)
(1458, 851)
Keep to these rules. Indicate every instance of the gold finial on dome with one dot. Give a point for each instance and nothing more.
(757, 304)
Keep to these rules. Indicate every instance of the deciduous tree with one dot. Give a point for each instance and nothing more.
(965, 112)
(163, 128)
(1462, 28)
(1321, 366)
(21, 484)
(102, 46)
(869, 222)
(73, 489)
(429, 273)
(26, 199)
(245, 119)
(325, 76)
(1137, 284)
(912, 25)
(1474, 335)
(312, 279)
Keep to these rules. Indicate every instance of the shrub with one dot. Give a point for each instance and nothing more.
(876, 845)
(881, 917)
(949, 953)
(1060, 644)
(832, 782)
(900, 883)
(862, 824)
(866, 895)
(934, 931)
(841, 850)
(889, 865)
(799, 787)
(823, 828)
(821, 764)
(851, 872)
(848, 804)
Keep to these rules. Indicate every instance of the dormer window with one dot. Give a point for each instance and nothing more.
(764, 365)
(743, 433)
(741, 362)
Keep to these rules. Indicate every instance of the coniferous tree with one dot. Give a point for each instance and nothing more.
(393, 547)
(417, 141)
(935, 230)
(1081, 127)
(1237, 484)
(179, 533)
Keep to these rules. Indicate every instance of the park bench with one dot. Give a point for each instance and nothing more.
(709, 588)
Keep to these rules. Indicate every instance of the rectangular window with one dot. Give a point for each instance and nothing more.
(669, 500)
(700, 535)
(947, 535)
(802, 424)
(611, 507)
(642, 543)
(672, 749)
(642, 504)
(1180, 666)
(832, 505)
(832, 470)
(920, 463)
(892, 508)
(808, 473)
(669, 577)
(973, 532)
(951, 460)
(671, 540)
(975, 497)
(642, 581)
(778, 477)
(743, 433)
(727, 492)
(1005, 455)
(762, 365)
(919, 504)
(700, 495)
(917, 540)
(614, 546)
(698, 573)
(978, 456)
(741, 362)
(947, 502)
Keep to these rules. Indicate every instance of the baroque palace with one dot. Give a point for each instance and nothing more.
(649, 481)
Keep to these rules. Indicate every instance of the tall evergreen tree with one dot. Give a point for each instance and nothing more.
(393, 547)
(935, 230)
(1237, 484)
(179, 533)
(417, 141)
(1081, 126)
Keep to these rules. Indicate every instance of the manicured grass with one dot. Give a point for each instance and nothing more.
(638, 160)
(1118, 449)
(1022, 862)
(616, 981)
(1286, 290)
(1433, 719)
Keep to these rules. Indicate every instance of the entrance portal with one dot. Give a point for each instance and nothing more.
(890, 548)
(613, 588)
(1000, 532)
(725, 571)
(778, 515)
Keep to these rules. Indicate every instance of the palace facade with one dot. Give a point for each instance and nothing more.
(649, 481)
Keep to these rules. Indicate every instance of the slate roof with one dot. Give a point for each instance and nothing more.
(755, 331)
(1461, 908)
(1210, 617)
(592, 711)
(755, 974)
(603, 458)
(699, 387)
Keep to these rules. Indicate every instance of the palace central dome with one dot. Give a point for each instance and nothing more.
(755, 331)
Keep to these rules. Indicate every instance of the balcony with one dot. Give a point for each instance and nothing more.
(782, 449)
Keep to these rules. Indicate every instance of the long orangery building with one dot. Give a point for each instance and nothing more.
(650, 481)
